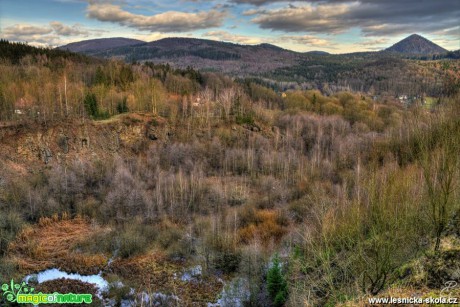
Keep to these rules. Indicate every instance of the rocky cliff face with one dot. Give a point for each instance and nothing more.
(24, 146)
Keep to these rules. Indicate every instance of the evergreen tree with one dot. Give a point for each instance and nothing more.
(100, 77)
(276, 283)
(122, 107)
(90, 103)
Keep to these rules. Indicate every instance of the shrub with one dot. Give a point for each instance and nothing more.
(227, 260)
(119, 292)
(169, 235)
(180, 249)
(134, 240)
(7, 271)
(299, 209)
(10, 225)
(101, 242)
(266, 225)
(131, 243)
(88, 207)
(245, 119)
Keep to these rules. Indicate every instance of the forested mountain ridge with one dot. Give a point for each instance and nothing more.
(102, 47)
(381, 73)
(414, 44)
(203, 54)
(14, 52)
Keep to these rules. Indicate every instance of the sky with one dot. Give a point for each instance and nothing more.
(335, 26)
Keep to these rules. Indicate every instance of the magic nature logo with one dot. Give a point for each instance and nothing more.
(23, 294)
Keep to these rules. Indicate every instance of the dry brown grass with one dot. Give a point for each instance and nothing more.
(50, 244)
(153, 272)
(144, 267)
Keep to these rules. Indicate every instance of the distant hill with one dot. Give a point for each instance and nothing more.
(317, 52)
(167, 47)
(416, 44)
(199, 53)
(96, 45)
(176, 47)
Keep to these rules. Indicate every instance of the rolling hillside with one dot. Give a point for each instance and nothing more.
(97, 45)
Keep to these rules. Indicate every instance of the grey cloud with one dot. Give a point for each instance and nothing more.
(454, 31)
(35, 39)
(171, 21)
(46, 34)
(373, 17)
(219, 6)
(308, 40)
(256, 2)
(304, 40)
(315, 19)
(230, 37)
(374, 42)
(64, 30)
(25, 30)
(253, 12)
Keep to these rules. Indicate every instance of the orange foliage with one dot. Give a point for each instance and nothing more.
(266, 227)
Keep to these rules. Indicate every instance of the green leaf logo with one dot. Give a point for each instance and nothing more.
(12, 290)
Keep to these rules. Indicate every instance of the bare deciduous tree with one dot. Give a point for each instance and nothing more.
(226, 99)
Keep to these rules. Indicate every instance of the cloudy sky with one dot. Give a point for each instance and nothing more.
(336, 26)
